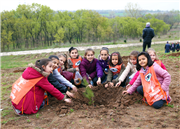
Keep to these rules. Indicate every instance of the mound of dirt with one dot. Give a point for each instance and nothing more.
(174, 54)
(103, 98)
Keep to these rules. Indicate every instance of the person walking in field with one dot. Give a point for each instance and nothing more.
(148, 34)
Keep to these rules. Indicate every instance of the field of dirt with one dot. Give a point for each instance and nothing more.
(111, 109)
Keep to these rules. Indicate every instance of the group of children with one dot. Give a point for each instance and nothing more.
(56, 75)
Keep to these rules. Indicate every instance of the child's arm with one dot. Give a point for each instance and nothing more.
(135, 85)
(134, 78)
(61, 79)
(83, 71)
(117, 79)
(125, 72)
(99, 69)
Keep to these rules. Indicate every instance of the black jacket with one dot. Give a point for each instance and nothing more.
(148, 34)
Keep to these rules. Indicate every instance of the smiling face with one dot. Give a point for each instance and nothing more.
(89, 56)
(104, 54)
(143, 61)
(62, 60)
(48, 68)
(74, 54)
(55, 63)
(152, 55)
(133, 60)
(114, 59)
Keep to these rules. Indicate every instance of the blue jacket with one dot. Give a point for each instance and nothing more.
(167, 47)
(148, 34)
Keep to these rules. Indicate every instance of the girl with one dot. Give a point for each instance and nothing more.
(102, 65)
(74, 60)
(61, 87)
(63, 65)
(58, 76)
(155, 81)
(88, 67)
(153, 56)
(28, 91)
(116, 67)
(130, 68)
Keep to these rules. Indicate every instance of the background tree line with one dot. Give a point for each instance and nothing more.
(37, 25)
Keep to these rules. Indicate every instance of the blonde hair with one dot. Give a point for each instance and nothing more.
(134, 53)
(152, 50)
(65, 56)
(87, 50)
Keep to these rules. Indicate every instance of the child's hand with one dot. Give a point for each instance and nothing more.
(71, 95)
(111, 84)
(74, 88)
(90, 86)
(125, 92)
(106, 85)
(98, 81)
(89, 78)
(128, 86)
(68, 100)
(77, 69)
(118, 84)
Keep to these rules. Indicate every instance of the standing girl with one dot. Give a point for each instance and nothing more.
(130, 68)
(155, 81)
(116, 68)
(28, 91)
(88, 67)
(74, 60)
(102, 66)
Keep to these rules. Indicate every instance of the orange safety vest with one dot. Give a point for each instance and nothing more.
(158, 62)
(151, 87)
(60, 69)
(21, 87)
(76, 62)
(115, 70)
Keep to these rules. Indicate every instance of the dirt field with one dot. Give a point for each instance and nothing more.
(111, 109)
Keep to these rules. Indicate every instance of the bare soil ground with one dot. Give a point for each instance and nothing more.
(111, 109)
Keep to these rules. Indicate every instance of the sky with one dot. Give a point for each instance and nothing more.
(93, 4)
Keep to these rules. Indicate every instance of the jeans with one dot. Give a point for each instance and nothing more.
(157, 104)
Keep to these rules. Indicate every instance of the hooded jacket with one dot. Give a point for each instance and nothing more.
(40, 87)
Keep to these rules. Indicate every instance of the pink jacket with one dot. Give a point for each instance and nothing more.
(137, 74)
(162, 75)
(40, 87)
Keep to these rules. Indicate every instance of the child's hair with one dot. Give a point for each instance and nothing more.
(53, 56)
(65, 63)
(152, 50)
(72, 48)
(104, 48)
(87, 50)
(40, 63)
(134, 53)
(149, 61)
(120, 61)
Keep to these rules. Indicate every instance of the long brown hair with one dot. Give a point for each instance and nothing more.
(41, 62)
(120, 61)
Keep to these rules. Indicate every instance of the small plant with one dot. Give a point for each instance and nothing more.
(28, 120)
(170, 105)
(80, 120)
(71, 110)
(88, 92)
(112, 119)
(37, 115)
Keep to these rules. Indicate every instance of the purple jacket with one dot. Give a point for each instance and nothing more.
(162, 75)
(100, 66)
(88, 67)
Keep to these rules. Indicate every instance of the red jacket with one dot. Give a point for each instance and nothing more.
(40, 87)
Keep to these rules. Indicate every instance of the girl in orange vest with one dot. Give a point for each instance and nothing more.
(155, 82)
(116, 68)
(34, 78)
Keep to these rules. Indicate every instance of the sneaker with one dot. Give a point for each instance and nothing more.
(16, 111)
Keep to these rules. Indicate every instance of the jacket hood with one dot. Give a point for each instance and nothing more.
(33, 72)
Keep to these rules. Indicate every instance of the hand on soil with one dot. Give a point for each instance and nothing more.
(128, 86)
(111, 84)
(125, 92)
(74, 88)
(98, 81)
(90, 86)
(118, 84)
(68, 100)
(71, 95)
(106, 85)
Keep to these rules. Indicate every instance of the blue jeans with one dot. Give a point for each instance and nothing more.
(157, 104)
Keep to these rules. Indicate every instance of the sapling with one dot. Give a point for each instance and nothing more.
(88, 92)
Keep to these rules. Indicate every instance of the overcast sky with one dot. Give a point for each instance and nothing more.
(93, 4)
